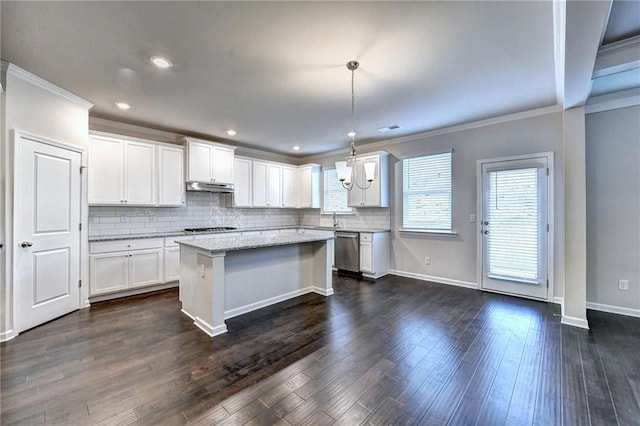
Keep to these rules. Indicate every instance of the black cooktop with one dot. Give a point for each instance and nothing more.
(210, 229)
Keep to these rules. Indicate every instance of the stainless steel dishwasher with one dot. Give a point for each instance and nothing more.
(347, 251)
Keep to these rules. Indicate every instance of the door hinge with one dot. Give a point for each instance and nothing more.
(547, 171)
(80, 226)
(547, 283)
(81, 168)
(548, 227)
(79, 283)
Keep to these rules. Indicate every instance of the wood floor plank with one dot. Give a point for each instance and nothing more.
(393, 351)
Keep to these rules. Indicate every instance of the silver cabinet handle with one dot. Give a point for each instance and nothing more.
(26, 244)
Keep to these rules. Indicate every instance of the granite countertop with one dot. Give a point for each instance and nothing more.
(183, 233)
(243, 242)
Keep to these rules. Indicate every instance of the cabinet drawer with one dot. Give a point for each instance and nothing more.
(124, 245)
(366, 236)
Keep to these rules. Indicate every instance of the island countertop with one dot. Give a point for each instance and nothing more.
(244, 242)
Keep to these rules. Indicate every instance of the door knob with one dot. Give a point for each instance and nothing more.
(26, 244)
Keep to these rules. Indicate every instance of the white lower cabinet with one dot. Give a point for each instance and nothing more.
(125, 264)
(171, 263)
(374, 254)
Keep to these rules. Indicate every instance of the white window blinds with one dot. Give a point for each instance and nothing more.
(335, 195)
(514, 232)
(426, 193)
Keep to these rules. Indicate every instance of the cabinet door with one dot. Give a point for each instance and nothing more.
(108, 272)
(171, 264)
(199, 164)
(371, 194)
(356, 197)
(106, 171)
(171, 176)
(145, 267)
(289, 184)
(242, 193)
(309, 186)
(139, 173)
(259, 180)
(222, 165)
(274, 185)
(366, 257)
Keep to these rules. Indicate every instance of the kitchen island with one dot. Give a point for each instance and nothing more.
(226, 276)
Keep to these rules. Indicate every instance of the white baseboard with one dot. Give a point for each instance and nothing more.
(575, 322)
(7, 335)
(614, 309)
(187, 314)
(277, 299)
(133, 292)
(210, 330)
(458, 283)
(266, 302)
(322, 291)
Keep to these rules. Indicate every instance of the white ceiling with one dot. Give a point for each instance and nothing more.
(275, 71)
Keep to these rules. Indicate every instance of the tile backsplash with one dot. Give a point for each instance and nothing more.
(210, 209)
(201, 209)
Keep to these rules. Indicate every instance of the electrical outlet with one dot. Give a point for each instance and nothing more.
(427, 260)
(202, 270)
(472, 218)
(623, 284)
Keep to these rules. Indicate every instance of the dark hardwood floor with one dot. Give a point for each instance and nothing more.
(397, 351)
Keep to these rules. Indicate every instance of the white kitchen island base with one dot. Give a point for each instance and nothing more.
(222, 279)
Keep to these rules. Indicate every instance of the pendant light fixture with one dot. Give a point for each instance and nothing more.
(347, 169)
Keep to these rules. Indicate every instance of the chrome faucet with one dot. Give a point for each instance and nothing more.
(335, 220)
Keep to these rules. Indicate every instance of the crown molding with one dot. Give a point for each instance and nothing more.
(617, 57)
(24, 75)
(614, 100)
(381, 145)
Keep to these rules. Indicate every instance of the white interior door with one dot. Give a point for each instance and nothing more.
(48, 205)
(515, 225)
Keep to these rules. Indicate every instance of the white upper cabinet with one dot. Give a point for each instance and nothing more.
(122, 172)
(267, 183)
(171, 190)
(209, 162)
(289, 186)
(376, 195)
(242, 196)
(274, 185)
(106, 170)
(308, 186)
(261, 183)
(139, 173)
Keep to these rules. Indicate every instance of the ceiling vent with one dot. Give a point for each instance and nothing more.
(388, 128)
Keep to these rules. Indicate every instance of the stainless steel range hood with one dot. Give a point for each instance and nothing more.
(209, 187)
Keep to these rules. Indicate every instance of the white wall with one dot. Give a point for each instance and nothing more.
(613, 207)
(453, 259)
(33, 106)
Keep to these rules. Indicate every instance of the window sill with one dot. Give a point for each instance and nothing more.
(429, 232)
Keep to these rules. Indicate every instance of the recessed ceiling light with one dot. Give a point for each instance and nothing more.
(351, 134)
(161, 61)
(296, 148)
(123, 105)
(231, 132)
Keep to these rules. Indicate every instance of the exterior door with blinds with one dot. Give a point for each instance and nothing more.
(514, 241)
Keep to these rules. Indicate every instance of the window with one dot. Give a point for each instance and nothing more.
(426, 193)
(335, 195)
